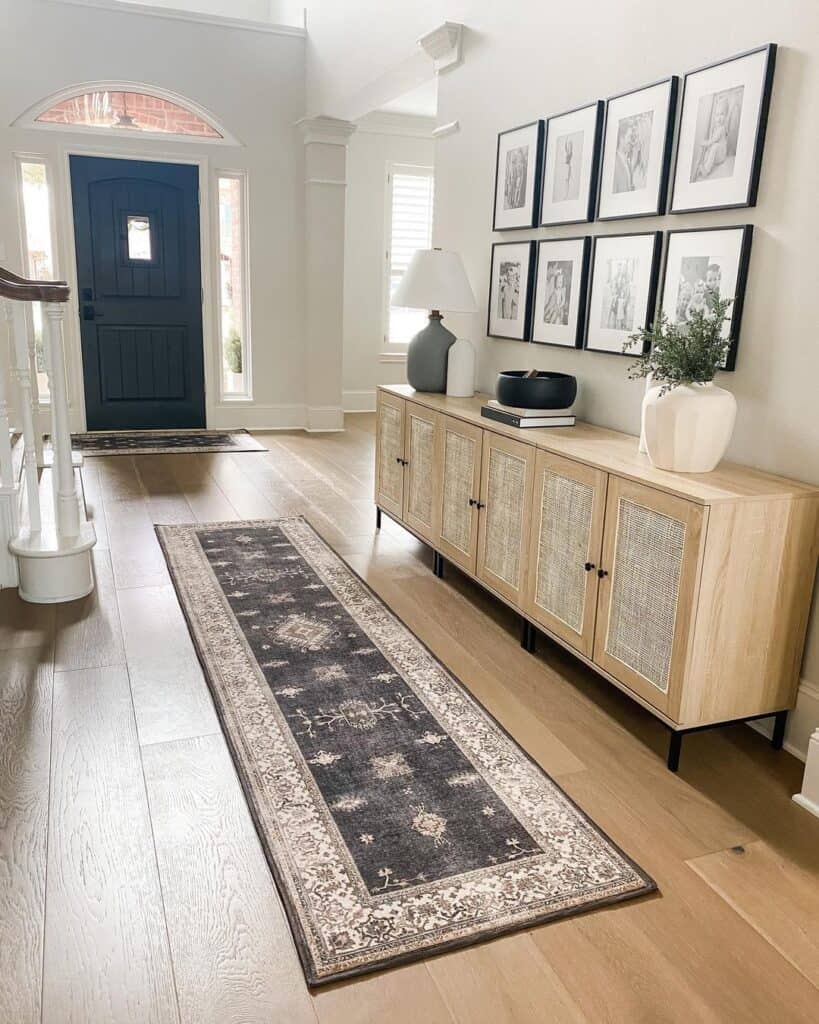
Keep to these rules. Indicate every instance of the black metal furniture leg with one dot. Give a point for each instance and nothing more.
(674, 747)
(527, 636)
(438, 565)
(532, 639)
(441, 564)
(377, 518)
(780, 721)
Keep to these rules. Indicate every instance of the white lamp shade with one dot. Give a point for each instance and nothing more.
(435, 279)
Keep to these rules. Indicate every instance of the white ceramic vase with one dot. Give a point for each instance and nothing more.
(460, 374)
(688, 429)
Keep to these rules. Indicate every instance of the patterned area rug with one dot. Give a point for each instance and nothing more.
(164, 442)
(399, 819)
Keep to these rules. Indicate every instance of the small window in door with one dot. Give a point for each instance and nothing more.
(139, 238)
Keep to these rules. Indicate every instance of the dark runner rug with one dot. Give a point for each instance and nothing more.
(164, 442)
(399, 819)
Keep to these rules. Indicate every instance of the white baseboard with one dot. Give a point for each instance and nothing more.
(359, 401)
(323, 418)
(257, 416)
(801, 721)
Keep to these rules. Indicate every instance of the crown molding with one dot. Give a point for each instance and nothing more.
(174, 14)
(446, 129)
(330, 131)
(444, 46)
(383, 122)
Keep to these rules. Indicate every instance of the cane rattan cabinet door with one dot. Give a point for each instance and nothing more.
(652, 555)
(421, 441)
(568, 507)
(459, 488)
(507, 475)
(389, 453)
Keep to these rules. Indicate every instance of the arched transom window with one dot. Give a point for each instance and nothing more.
(129, 111)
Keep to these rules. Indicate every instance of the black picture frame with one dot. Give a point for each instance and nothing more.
(530, 280)
(582, 290)
(743, 264)
(595, 164)
(651, 299)
(761, 129)
(668, 150)
(538, 161)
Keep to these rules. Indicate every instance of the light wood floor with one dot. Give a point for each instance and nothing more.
(132, 884)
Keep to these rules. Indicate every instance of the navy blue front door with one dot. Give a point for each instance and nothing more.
(136, 228)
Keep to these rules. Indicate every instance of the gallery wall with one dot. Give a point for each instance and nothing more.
(525, 61)
(379, 140)
(253, 83)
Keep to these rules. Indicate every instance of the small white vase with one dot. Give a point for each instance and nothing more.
(689, 428)
(460, 373)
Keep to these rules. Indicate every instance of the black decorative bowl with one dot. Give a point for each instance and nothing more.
(546, 391)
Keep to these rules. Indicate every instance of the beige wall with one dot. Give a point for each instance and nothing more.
(253, 83)
(540, 59)
(525, 60)
(367, 157)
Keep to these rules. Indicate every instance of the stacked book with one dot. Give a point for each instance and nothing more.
(514, 416)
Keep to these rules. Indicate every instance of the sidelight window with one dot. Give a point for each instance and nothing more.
(38, 243)
(233, 300)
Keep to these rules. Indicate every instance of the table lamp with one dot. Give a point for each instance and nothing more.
(434, 280)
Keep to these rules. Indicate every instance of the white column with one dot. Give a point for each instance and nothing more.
(66, 511)
(809, 797)
(22, 371)
(35, 390)
(325, 162)
(9, 524)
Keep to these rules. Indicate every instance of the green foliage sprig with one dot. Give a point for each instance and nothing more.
(689, 352)
(233, 351)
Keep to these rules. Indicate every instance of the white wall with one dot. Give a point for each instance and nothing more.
(253, 83)
(371, 148)
(524, 61)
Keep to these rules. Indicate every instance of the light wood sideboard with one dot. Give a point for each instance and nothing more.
(689, 592)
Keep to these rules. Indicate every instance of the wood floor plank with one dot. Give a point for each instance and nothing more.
(136, 556)
(207, 501)
(88, 633)
(106, 949)
(94, 504)
(23, 624)
(775, 896)
(165, 504)
(233, 952)
(171, 698)
(118, 478)
(684, 955)
(503, 982)
(25, 741)
(405, 995)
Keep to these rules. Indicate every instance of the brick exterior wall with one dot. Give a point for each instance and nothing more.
(151, 113)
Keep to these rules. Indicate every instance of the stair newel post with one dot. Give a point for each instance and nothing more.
(67, 512)
(6, 468)
(22, 372)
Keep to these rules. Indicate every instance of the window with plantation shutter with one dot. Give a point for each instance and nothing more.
(409, 227)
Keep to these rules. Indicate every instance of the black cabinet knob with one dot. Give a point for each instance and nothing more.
(601, 573)
(589, 566)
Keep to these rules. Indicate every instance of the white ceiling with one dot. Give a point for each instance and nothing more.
(421, 101)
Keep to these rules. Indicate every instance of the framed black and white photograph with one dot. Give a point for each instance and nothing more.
(517, 177)
(722, 132)
(622, 292)
(560, 291)
(636, 151)
(510, 290)
(571, 145)
(701, 265)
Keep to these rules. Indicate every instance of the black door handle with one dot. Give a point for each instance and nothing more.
(89, 313)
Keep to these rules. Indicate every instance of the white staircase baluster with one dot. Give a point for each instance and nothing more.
(65, 490)
(22, 371)
(35, 391)
(9, 492)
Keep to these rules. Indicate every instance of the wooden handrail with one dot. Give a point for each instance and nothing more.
(12, 286)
